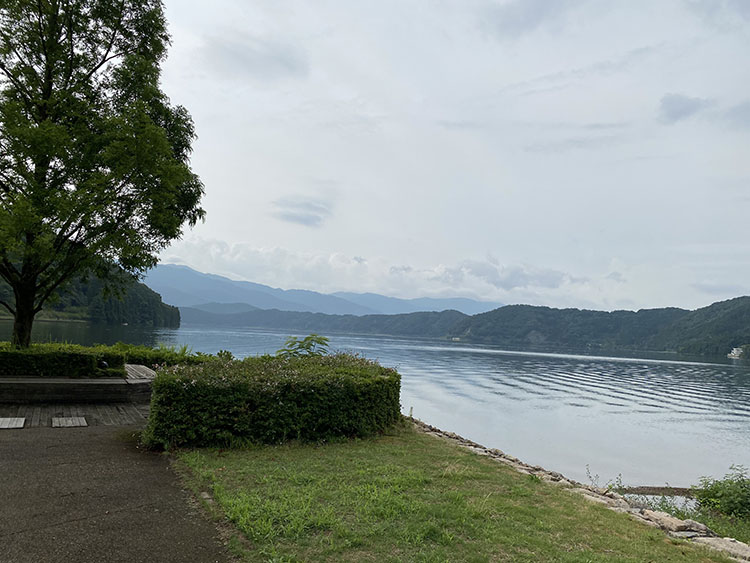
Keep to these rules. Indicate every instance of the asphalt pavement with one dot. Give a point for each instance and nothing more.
(91, 494)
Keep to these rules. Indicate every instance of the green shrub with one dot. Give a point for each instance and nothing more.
(271, 399)
(60, 360)
(160, 356)
(310, 345)
(72, 360)
(730, 495)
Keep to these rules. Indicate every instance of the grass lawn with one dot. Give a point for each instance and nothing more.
(406, 496)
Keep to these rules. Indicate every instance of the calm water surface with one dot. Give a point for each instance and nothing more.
(653, 421)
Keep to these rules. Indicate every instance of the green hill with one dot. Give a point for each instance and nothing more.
(427, 324)
(712, 330)
(85, 300)
(528, 326)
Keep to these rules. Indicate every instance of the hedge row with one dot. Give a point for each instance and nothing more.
(160, 356)
(270, 400)
(61, 360)
(72, 360)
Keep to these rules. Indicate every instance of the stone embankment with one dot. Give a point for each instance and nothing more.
(674, 527)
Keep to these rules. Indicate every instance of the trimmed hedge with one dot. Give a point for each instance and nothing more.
(160, 356)
(270, 400)
(72, 360)
(60, 360)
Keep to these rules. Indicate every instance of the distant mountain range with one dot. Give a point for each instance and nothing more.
(210, 300)
(184, 287)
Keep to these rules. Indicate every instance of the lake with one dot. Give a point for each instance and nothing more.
(654, 421)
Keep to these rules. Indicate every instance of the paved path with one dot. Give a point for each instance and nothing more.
(91, 495)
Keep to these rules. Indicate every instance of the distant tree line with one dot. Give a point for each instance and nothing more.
(427, 324)
(88, 300)
(711, 331)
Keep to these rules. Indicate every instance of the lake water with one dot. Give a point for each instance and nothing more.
(653, 421)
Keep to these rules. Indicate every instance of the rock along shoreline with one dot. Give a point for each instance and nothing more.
(674, 527)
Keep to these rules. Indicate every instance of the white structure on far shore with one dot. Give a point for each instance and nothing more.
(735, 354)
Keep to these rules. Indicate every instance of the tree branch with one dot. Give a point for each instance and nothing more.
(11, 310)
(71, 50)
(40, 29)
(19, 86)
(8, 270)
(66, 275)
(106, 57)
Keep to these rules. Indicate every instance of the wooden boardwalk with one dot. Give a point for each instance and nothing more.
(58, 410)
(135, 372)
(41, 415)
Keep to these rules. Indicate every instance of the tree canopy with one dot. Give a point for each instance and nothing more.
(94, 160)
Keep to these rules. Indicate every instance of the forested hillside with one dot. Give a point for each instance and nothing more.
(712, 330)
(86, 301)
(528, 326)
(428, 324)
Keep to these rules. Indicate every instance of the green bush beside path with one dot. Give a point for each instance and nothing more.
(270, 400)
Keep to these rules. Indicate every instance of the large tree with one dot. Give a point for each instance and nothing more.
(94, 161)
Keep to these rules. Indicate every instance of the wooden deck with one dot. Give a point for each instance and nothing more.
(117, 414)
(136, 373)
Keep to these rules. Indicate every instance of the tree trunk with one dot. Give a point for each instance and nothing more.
(24, 319)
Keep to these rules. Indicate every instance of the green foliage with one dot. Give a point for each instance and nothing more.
(60, 360)
(225, 355)
(88, 300)
(721, 524)
(72, 360)
(94, 161)
(729, 496)
(310, 345)
(721, 504)
(162, 355)
(427, 324)
(712, 330)
(271, 399)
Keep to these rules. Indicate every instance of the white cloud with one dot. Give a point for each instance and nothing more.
(722, 13)
(514, 18)
(303, 210)
(739, 116)
(676, 107)
(441, 143)
(234, 55)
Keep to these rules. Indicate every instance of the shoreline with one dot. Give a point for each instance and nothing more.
(674, 527)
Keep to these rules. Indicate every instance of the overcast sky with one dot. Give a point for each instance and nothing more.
(553, 152)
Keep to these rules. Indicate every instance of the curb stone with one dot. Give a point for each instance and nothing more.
(674, 527)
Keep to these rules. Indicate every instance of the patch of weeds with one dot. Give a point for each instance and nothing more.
(729, 496)
(616, 485)
(721, 504)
